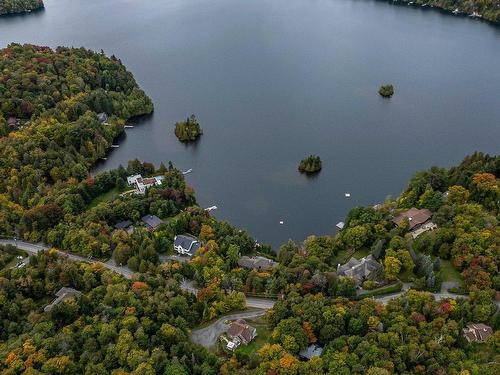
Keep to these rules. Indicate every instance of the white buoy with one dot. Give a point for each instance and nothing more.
(281, 222)
(347, 195)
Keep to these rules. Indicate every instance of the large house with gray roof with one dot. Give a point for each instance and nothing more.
(359, 270)
(186, 245)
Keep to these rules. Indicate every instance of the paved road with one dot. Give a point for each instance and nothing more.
(252, 302)
(33, 249)
(208, 336)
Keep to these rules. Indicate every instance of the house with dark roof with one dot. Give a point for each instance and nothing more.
(258, 263)
(416, 217)
(152, 222)
(311, 351)
(186, 245)
(241, 332)
(477, 332)
(123, 224)
(62, 295)
(359, 270)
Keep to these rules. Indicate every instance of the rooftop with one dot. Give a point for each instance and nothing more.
(152, 221)
(415, 217)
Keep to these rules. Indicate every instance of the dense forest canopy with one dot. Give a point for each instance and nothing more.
(487, 9)
(19, 6)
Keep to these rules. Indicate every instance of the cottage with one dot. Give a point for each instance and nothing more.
(240, 332)
(477, 332)
(311, 351)
(152, 222)
(123, 224)
(256, 263)
(360, 270)
(62, 295)
(415, 217)
(186, 245)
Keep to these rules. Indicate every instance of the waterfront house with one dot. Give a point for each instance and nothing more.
(186, 245)
(256, 263)
(132, 179)
(151, 221)
(416, 217)
(62, 295)
(359, 270)
(477, 332)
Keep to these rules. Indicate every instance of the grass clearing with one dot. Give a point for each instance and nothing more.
(106, 197)
(450, 273)
(263, 334)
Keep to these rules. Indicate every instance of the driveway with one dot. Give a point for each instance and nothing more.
(208, 335)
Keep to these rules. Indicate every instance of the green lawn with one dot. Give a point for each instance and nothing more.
(105, 197)
(449, 272)
(344, 255)
(262, 338)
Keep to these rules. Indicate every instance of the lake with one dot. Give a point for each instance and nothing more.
(273, 81)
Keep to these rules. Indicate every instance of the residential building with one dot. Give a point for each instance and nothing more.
(152, 221)
(142, 183)
(311, 351)
(416, 217)
(257, 263)
(477, 332)
(186, 245)
(239, 330)
(62, 295)
(360, 270)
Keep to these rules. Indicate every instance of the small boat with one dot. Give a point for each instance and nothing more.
(340, 225)
(188, 171)
(104, 158)
(211, 208)
(456, 11)
(128, 126)
(282, 222)
(348, 195)
(115, 146)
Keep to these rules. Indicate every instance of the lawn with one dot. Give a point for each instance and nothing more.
(450, 273)
(106, 197)
(262, 338)
(344, 255)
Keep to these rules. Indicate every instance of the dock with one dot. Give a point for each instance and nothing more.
(128, 126)
(115, 146)
(211, 208)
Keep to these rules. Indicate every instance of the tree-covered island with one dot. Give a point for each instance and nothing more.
(188, 130)
(386, 91)
(19, 6)
(310, 165)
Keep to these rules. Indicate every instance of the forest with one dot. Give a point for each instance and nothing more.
(19, 6)
(487, 9)
(53, 131)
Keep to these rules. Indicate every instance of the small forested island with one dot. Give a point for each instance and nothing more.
(484, 9)
(386, 91)
(310, 165)
(19, 6)
(189, 130)
(123, 304)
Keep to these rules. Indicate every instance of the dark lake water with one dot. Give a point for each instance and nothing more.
(275, 80)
